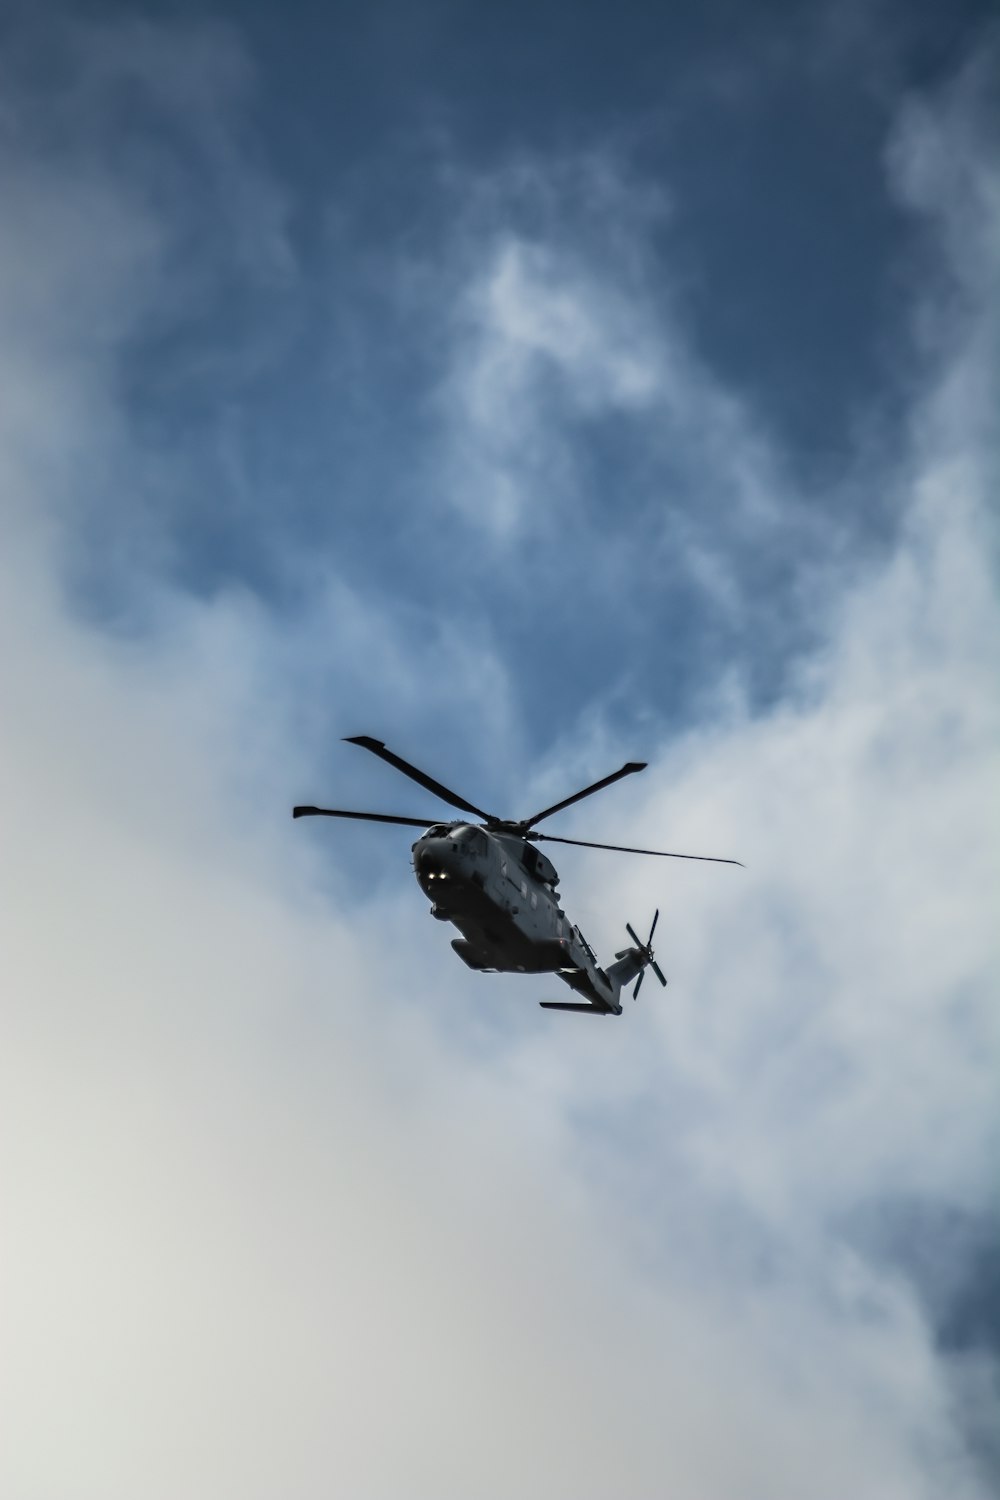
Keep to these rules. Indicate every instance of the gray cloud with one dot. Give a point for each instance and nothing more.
(294, 1203)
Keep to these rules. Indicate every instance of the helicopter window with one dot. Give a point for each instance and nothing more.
(439, 831)
(476, 839)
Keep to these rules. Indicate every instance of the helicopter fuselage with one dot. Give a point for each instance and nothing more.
(501, 893)
(491, 881)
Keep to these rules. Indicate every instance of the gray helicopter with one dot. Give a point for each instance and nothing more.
(501, 892)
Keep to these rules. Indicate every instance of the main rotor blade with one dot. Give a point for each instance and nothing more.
(550, 838)
(633, 765)
(445, 793)
(336, 812)
(657, 971)
(656, 918)
(632, 934)
(638, 984)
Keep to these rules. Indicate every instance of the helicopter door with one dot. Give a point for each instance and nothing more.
(514, 889)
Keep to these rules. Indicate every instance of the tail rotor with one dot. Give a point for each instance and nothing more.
(646, 950)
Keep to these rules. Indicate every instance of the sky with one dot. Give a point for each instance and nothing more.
(533, 389)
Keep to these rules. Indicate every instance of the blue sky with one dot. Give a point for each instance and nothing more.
(534, 389)
(742, 199)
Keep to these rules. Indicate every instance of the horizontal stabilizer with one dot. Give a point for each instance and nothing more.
(593, 1010)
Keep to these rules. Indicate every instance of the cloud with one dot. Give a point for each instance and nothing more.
(295, 1202)
(575, 432)
(547, 346)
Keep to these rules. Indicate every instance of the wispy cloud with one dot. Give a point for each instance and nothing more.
(296, 1202)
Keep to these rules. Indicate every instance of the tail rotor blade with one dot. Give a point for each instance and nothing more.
(646, 959)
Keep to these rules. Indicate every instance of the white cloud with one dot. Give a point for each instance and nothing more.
(566, 343)
(285, 1215)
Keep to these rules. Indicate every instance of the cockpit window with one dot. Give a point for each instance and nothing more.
(470, 840)
(439, 831)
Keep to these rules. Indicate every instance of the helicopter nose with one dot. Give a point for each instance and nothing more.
(435, 861)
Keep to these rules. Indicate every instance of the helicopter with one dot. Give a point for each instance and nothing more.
(501, 892)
